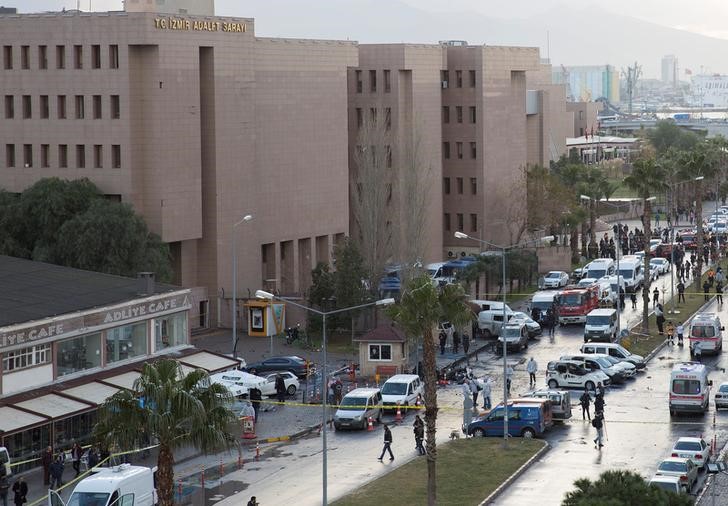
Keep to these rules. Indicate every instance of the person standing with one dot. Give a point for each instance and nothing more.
(419, 430)
(486, 393)
(467, 411)
(680, 331)
(680, 292)
(509, 378)
(660, 319)
(719, 292)
(455, 341)
(388, 443)
(56, 473)
(655, 297)
(633, 298)
(253, 501)
(46, 460)
(599, 404)
(4, 487)
(531, 368)
(585, 401)
(20, 490)
(93, 458)
(280, 389)
(76, 454)
(466, 342)
(706, 290)
(443, 342)
(598, 424)
(474, 389)
(255, 397)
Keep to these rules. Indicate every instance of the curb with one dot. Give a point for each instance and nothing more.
(467, 357)
(498, 491)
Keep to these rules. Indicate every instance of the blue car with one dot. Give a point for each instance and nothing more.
(526, 418)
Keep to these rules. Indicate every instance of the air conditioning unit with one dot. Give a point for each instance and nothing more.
(456, 254)
(444, 85)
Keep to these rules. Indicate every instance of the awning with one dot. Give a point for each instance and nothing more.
(53, 405)
(209, 361)
(13, 419)
(125, 380)
(92, 392)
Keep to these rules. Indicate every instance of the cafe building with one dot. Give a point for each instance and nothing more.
(69, 339)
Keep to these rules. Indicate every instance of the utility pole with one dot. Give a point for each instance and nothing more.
(631, 75)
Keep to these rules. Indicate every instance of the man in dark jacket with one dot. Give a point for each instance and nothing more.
(443, 342)
(419, 430)
(599, 404)
(598, 424)
(255, 398)
(280, 388)
(20, 489)
(46, 460)
(387, 444)
(585, 401)
(57, 473)
(76, 454)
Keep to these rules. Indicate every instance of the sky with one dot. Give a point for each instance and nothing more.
(706, 17)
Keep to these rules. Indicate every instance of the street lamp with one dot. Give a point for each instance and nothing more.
(260, 294)
(503, 249)
(245, 218)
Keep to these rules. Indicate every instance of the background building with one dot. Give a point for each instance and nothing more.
(587, 83)
(670, 74)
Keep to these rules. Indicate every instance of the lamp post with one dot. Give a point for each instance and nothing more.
(245, 218)
(504, 249)
(324, 378)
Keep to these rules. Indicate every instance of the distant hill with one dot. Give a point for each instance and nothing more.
(577, 36)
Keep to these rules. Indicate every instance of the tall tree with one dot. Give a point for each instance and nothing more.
(421, 308)
(349, 288)
(173, 409)
(621, 488)
(667, 135)
(321, 291)
(647, 180)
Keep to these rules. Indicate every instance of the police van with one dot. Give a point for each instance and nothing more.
(689, 388)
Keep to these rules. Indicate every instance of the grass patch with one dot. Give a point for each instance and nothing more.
(468, 470)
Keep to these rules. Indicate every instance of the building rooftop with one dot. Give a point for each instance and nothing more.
(36, 290)
(383, 333)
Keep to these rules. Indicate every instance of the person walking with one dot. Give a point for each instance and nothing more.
(670, 329)
(655, 297)
(443, 342)
(687, 269)
(706, 290)
(509, 378)
(20, 490)
(633, 299)
(4, 488)
(56, 473)
(76, 454)
(719, 292)
(486, 393)
(598, 424)
(280, 389)
(585, 401)
(531, 368)
(46, 459)
(388, 443)
(474, 389)
(93, 458)
(419, 430)
(680, 292)
(599, 404)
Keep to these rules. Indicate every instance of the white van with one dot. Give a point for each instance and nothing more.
(706, 330)
(239, 382)
(515, 335)
(632, 271)
(601, 325)
(401, 389)
(440, 274)
(118, 486)
(614, 350)
(490, 305)
(490, 322)
(612, 280)
(5, 461)
(357, 407)
(599, 268)
(689, 387)
(542, 301)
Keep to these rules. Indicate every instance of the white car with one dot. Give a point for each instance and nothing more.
(555, 279)
(628, 368)
(680, 467)
(663, 266)
(721, 396)
(586, 282)
(693, 448)
(532, 326)
(290, 379)
(572, 374)
(654, 272)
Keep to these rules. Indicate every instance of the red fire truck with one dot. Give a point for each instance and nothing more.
(575, 303)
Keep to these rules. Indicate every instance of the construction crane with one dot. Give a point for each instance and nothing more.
(631, 75)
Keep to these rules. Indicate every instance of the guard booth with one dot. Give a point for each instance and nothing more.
(265, 317)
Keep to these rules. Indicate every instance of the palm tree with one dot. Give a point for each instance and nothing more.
(621, 488)
(647, 179)
(420, 309)
(173, 409)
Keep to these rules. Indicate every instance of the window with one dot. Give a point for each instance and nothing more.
(446, 114)
(472, 78)
(459, 78)
(96, 56)
(459, 113)
(44, 155)
(380, 352)
(8, 57)
(10, 155)
(473, 186)
(61, 105)
(446, 185)
(26, 357)
(80, 156)
(446, 222)
(471, 111)
(170, 331)
(63, 155)
(359, 83)
(9, 106)
(96, 104)
(444, 77)
(43, 57)
(115, 107)
(27, 107)
(373, 81)
(60, 57)
(79, 107)
(446, 150)
(25, 57)
(126, 342)
(359, 117)
(113, 56)
(78, 57)
(473, 150)
(44, 107)
(27, 155)
(78, 354)
(473, 222)
(460, 185)
(387, 81)
(460, 221)
(388, 118)
(459, 147)
(373, 115)
(116, 156)
(98, 156)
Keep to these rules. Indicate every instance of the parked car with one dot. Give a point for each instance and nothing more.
(721, 396)
(292, 363)
(684, 469)
(693, 448)
(560, 402)
(401, 389)
(534, 329)
(595, 362)
(357, 407)
(572, 374)
(515, 335)
(555, 279)
(526, 419)
(614, 350)
(628, 368)
(669, 483)
(663, 266)
(290, 380)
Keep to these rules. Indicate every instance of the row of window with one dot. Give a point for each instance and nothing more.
(445, 76)
(472, 115)
(460, 222)
(62, 156)
(61, 109)
(41, 55)
(460, 185)
(386, 77)
(373, 115)
(459, 150)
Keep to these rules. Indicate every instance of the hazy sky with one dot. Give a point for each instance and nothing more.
(702, 16)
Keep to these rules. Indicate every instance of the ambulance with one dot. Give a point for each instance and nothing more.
(689, 388)
(705, 329)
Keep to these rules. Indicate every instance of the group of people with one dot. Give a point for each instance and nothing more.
(54, 463)
(19, 489)
(598, 421)
(451, 335)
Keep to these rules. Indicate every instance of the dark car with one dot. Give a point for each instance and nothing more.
(291, 363)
